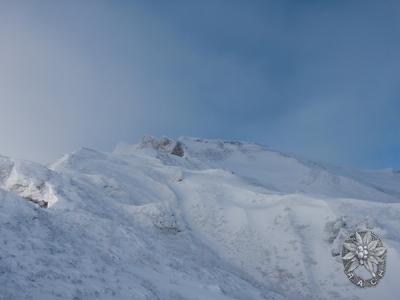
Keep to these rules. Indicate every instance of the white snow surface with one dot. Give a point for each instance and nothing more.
(227, 220)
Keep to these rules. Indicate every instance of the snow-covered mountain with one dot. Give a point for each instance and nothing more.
(190, 219)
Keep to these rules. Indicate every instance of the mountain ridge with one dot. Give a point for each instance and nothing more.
(217, 220)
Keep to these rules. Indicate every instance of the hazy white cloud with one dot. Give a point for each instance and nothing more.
(310, 78)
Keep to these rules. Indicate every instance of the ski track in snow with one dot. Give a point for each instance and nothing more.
(228, 220)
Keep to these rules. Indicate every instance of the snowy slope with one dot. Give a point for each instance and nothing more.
(189, 219)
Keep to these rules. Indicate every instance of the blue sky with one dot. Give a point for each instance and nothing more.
(315, 78)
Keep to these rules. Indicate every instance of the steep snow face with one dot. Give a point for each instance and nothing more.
(116, 232)
(189, 219)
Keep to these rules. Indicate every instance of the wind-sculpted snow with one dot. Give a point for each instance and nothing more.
(30, 180)
(210, 220)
